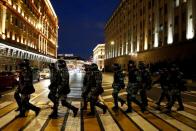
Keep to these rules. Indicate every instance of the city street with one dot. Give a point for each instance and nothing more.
(151, 120)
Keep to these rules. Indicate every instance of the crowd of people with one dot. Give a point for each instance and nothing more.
(139, 82)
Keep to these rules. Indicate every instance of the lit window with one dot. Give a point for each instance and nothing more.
(184, 1)
(177, 3)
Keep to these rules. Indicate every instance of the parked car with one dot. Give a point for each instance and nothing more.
(45, 73)
(8, 79)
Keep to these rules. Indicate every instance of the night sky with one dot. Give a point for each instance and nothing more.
(81, 24)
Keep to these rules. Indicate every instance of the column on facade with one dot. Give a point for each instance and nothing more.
(3, 21)
(146, 27)
(156, 29)
(190, 19)
(170, 34)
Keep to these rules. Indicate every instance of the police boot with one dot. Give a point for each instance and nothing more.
(129, 109)
(68, 105)
(92, 106)
(181, 107)
(54, 114)
(102, 106)
(122, 102)
(115, 108)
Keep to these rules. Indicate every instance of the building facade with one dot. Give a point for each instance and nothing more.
(28, 29)
(73, 62)
(151, 31)
(99, 55)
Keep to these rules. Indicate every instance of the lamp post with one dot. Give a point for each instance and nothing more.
(112, 47)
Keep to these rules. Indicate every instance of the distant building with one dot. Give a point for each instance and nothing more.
(73, 62)
(99, 55)
(28, 29)
(151, 31)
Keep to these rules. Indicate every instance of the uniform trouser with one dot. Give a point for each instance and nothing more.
(54, 99)
(132, 98)
(163, 95)
(26, 104)
(117, 98)
(68, 105)
(173, 98)
(85, 101)
(18, 98)
(143, 96)
(94, 102)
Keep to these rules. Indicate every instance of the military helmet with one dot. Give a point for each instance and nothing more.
(24, 63)
(87, 67)
(141, 65)
(61, 63)
(93, 67)
(116, 66)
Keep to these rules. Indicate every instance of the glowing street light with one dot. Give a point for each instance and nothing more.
(112, 43)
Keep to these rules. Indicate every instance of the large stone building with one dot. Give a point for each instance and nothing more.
(151, 31)
(99, 56)
(28, 29)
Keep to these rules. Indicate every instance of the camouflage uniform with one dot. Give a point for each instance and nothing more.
(145, 83)
(175, 81)
(53, 89)
(95, 86)
(63, 86)
(133, 86)
(26, 89)
(17, 95)
(85, 89)
(117, 85)
(164, 86)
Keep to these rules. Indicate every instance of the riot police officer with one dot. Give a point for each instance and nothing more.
(17, 93)
(134, 80)
(95, 85)
(145, 83)
(175, 81)
(26, 88)
(163, 79)
(117, 85)
(53, 89)
(63, 86)
(86, 89)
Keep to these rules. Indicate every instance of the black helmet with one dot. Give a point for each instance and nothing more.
(131, 63)
(141, 65)
(87, 67)
(61, 63)
(24, 63)
(94, 67)
(116, 66)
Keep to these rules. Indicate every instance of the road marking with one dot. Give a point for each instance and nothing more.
(4, 104)
(184, 113)
(108, 90)
(110, 96)
(39, 121)
(18, 123)
(140, 121)
(186, 105)
(122, 120)
(107, 121)
(188, 94)
(56, 124)
(38, 96)
(73, 123)
(179, 125)
(90, 122)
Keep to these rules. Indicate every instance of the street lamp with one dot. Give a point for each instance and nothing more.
(112, 44)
